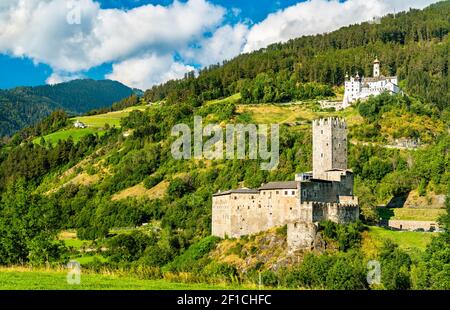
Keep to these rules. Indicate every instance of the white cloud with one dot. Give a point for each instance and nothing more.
(226, 43)
(319, 16)
(38, 29)
(142, 72)
(59, 77)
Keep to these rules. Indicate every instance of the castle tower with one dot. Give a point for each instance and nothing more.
(376, 68)
(329, 146)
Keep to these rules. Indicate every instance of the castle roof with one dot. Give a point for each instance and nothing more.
(279, 185)
(376, 79)
(237, 191)
(336, 169)
(319, 181)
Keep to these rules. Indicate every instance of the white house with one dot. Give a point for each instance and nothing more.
(79, 124)
(361, 88)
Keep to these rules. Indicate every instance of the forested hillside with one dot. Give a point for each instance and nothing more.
(413, 45)
(23, 106)
(130, 206)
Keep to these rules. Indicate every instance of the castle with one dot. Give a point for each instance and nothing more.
(326, 193)
(361, 88)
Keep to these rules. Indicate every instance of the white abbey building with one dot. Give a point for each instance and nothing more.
(361, 88)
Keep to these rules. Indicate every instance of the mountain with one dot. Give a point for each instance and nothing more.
(24, 106)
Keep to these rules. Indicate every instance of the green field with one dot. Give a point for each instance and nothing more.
(411, 214)
(95, 124)
(75, 133)
(406, 240)
(111, 118)
(56, 280)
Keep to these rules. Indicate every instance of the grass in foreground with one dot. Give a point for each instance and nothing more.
(11, 279)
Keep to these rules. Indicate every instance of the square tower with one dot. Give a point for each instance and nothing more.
(329, 146)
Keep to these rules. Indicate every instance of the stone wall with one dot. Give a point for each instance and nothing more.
(413, 225)
(240, 214)
(327, 191)
(301, 235)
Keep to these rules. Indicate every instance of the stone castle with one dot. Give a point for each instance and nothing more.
(361, 88)
(326, 193)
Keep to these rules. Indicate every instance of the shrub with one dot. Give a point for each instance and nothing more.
(191, 256)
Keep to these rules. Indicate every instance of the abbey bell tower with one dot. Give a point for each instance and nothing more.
(376, 68)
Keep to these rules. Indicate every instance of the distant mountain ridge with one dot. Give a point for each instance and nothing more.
(24, 106)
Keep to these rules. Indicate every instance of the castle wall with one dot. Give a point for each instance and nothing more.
(301, 235)
(413, 225)
(240, 214)
(221, 216)
(327, 191)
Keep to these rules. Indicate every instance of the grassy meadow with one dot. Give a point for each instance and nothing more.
(94, 123)
(26, 279)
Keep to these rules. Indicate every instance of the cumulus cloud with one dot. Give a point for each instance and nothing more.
(39, 29)
(142, 72)
(60, 77)
(226, 43)
(320, 16)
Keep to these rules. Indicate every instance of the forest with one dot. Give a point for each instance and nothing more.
(413, 45)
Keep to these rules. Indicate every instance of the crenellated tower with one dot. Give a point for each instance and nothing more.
(329, 146)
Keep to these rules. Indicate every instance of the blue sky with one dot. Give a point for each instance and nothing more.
(145, 42)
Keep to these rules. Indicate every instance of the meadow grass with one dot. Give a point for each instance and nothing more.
(110, 118)
(232, 99)
(75, 133)
(95, 124)
(291, 113)
(412, 242)
(25, 279)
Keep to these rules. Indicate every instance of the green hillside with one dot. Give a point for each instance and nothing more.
(96, 124)
(24, 106)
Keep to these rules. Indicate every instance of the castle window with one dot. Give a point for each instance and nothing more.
(285, 192)
(248, 208)
(295, 225)
(321, 132)
(277, 192)
(293, 193)
(321, 155)
(290, 208)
